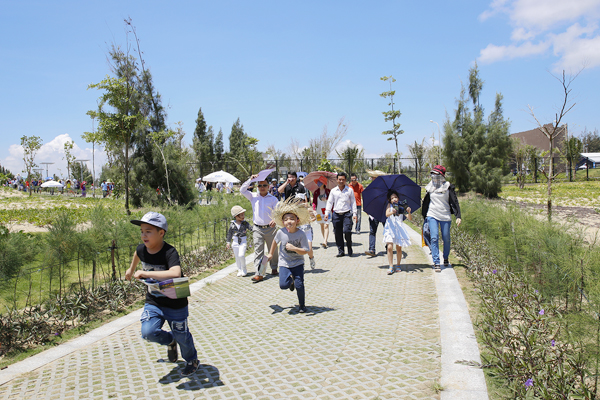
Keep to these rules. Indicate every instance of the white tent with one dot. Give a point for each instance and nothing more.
(220, 176)
(52, 184)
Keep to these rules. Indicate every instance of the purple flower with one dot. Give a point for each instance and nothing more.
(57, 334)
(494, 271)
(529, 382)
(536, 291)
(514, 295)
(541, 312)
(552, 342)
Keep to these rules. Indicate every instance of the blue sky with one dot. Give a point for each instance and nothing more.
(289, 69)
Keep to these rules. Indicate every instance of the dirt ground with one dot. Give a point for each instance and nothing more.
(588, 217)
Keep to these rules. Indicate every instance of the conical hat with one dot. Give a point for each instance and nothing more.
(375, 173)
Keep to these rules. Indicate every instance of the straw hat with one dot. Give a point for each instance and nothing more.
(374, 173)
(236, 210)
(291, 206)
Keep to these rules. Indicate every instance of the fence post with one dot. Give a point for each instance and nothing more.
(112, 259)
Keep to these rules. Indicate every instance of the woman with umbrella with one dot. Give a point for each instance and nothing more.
(439, 204)
(320, 183)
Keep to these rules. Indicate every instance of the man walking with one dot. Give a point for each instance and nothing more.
(358, 189)
(373, 222)
(264, 227)
(343, 204)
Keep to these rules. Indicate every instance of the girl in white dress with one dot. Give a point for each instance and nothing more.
(394, 231)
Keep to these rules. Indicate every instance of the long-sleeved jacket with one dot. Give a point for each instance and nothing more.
(452, 199)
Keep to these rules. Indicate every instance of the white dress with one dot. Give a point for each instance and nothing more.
(395, 232)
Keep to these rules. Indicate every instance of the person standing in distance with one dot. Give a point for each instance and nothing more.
(264, 228)
(358, 189)
(343, 204)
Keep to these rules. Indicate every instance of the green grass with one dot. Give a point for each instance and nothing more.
(582, 194)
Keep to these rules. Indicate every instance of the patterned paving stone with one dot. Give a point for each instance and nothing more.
(367, 335)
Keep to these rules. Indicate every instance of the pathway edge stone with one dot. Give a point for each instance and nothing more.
(457, 337)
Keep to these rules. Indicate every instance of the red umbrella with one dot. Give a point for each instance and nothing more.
(329, 179)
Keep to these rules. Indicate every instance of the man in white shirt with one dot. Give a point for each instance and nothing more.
(264, 227)
(343, 204)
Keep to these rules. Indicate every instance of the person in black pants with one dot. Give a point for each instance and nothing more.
(343, 204)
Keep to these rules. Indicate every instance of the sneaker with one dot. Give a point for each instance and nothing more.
(190, 368)
(302, 310)
(446, 262)
(241, 273)
(292, 286)
(172, 351)
(313, 264)
(437, 268)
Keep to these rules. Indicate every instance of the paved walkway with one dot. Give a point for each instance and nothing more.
(367, 335)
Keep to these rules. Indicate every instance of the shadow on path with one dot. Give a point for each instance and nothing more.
(207, 376)
(312, 310)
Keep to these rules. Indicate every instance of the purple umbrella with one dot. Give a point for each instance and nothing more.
(375, 195)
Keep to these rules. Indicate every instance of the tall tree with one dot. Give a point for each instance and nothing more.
(572, 149)
(69, 157)
(476, 151)
(203, 142)
(352, 156)
(31, 145)
(418, 151)
(392, 114)
(219, 149)
(551, 131)
(591, 141)
(117, 124)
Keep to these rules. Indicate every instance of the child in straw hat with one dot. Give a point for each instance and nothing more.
(293, 245)
(236, 238)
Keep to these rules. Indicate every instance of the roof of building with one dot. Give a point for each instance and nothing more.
(536, 137)
(593, 157)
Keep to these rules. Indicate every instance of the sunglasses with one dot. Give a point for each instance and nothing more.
(262, 185)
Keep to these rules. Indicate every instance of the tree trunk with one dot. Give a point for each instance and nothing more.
(550, 175)
(127, 178)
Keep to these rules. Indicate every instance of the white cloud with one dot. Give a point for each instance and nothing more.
(53, 151)
(493, 53)
(567, 28)
(345, 144)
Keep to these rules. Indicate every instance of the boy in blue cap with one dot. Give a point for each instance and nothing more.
(160, 261)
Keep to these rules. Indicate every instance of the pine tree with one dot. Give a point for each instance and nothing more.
(219, 150)
(477, 152)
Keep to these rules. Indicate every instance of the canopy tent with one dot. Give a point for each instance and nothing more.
(220, 176)
(52, 184)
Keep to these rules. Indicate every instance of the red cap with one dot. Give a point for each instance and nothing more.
(438, 169)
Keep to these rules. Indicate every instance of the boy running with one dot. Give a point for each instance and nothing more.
(160, 261)
(293, 245)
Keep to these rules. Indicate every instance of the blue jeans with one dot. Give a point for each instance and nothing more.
(358, 215)
(435, 238)
(373, 224)
(154, 317)
(296, 274)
